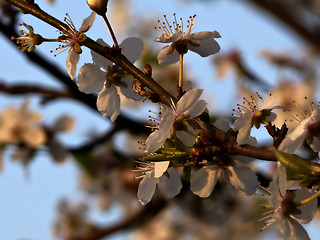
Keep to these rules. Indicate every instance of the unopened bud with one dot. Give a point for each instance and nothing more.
(99, 6)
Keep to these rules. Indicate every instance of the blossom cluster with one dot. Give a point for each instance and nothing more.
(183, 145)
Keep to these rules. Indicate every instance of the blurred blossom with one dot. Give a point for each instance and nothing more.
(20, 125)
(292, 96)
(64, 123)
(225, 62)
(71, 221)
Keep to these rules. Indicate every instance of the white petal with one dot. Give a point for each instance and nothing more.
(160, 168)
(196, 109)
(206, 47)
(188, 99)
(87, 22)
(168, 55)
(90, 78)
(244, 134)
(132, 48)
(100, 60)
(315, 145)
(222, 124)
(294, 139)
(244, 179)
(308, 210)
(108, 103)
(204, 35)
(157, 138)
(167, 38)
(171, 185)
(71, 62)
(146, 188)
(186, 138)
(203, 181)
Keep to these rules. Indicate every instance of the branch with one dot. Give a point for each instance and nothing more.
(106, 52)
(147, 213)
(22, 89)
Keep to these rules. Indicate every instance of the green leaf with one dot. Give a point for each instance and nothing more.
(297, 167)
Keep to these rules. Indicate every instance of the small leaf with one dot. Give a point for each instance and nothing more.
(297, 167)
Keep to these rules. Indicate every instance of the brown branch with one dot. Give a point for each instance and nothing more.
(147, 213)
(23, 89)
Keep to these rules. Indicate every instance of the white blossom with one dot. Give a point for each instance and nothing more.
(169, 183)
(72, 37)
(308, 129)
(92, 79)
(284, 213)
(202, 43)
(189, 106)
(252, 113)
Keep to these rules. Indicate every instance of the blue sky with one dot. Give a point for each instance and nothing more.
(28, 203)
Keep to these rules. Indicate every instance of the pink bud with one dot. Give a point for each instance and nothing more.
(99, 6)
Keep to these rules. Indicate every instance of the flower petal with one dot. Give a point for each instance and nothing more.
(206, 47)
(146, 188)
(100, 60)
(308, 210)
(168, 55)
(187, 100)
(243, 179)
(108, 103)
(171, 185)
(203, 181)
(196, 109)
(71, 62)
(204, 35)
(160, 168)
(132, 48)
(90, 78)
(87, 22)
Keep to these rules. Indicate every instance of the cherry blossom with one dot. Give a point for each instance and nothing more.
(112, 81)
(21, 125)
(202, 43)
(73, 38)
(189, 106)
(285, 213)
(308, 129)
(154, 175)
(252, 113)
(29, 40)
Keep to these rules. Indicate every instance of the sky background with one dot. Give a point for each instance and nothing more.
(29, 196)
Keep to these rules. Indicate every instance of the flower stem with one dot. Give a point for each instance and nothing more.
(180, 83)
(181, 71)
(110, 30)
(305, 201)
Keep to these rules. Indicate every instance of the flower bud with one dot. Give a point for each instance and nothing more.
(99, 6)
